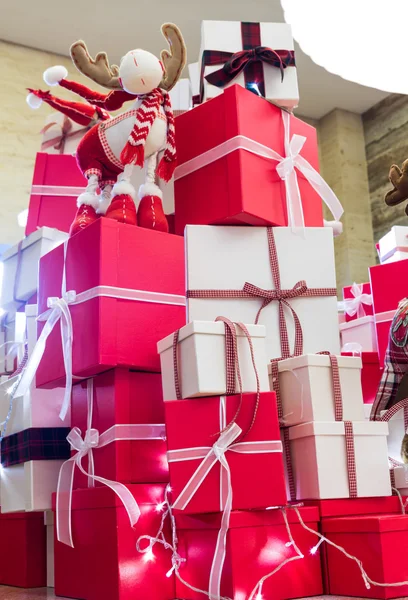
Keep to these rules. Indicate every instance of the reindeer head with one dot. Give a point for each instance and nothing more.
(139, 72)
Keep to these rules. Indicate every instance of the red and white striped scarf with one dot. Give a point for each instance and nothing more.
(133, 152)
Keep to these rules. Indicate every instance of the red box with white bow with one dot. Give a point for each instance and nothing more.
(229, 176)
(357, 300)
(104, 562)
(257, 543)
(121, 397)
(194, 441)
(128, 293)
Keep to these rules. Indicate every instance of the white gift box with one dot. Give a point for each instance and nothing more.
(394, 245)
(49, 524)
(194, 76)
(61, 135)
(367, 411)
(306, 388)
(401, 479)
(13, 338)
(396, 434)
(360, 331)
(319, 459)
(29, 486)
(226, 36)
(180, 97)
(24, 265)
(202, 360)
(224, 258)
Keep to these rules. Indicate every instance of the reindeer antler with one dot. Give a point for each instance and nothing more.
(97, 69)
(175, 60)
(399, 179)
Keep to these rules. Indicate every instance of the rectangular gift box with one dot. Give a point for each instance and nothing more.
(350, 292)
(235, 36)
(201, 362)
(61, 135)
(397, 430)
(401, 479)
(393, 246)
(320, 465)
(180, 97)
(49, 524)
(13, 337)
(194, 78)
(217, 175)
(105, 544)
(20, 266)
(23, 550)
(196, 424)
(123, 397)
(306, 388)
(361, 331)
(257, 542)
(57, 182)
(109, 331)
(225, 258)
(379, 542)
(370, 375)
(344, 507)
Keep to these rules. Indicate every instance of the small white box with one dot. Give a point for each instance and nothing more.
(367, 412)
(306, 388)
(24, 266)
(319, 459)
(226, 36)
(396, 434)
(49, 523)
(360, 331)
(194, 76)
(202, 360)
(13, 338)
(180, 97)
(29, 486)
(401, 479)
(394, 245)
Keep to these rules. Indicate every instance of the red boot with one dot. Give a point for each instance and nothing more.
(122, 207)
(85, 215)
(150, 213)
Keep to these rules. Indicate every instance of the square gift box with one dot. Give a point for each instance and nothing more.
(128, 284)
(202, 364)
(393, 246)
(322, 459)
(230, 37)
(194, 426)
(257, 543)
(306, 388)
(379, 542)
(361, 332)
(61, 135)
(180, 97)
(104, 562)
(235, 138)
(222, 260)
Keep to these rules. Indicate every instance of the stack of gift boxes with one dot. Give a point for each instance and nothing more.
(206, 448)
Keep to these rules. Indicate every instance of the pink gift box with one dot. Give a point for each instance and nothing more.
(359, 332)
(352, 292)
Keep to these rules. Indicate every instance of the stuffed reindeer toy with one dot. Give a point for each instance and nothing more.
(111, 149)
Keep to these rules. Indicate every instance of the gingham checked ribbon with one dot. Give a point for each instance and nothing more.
(211, 456)
(299, 290)
(355, 305)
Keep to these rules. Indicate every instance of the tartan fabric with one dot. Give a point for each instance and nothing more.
(401, 405)
(351, 458)
(37, 443)
(289, 467)
(299, 290)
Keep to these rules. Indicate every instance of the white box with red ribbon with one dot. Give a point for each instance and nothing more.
(394, 245)
(206, 356)
(180, 97)
(61, 135)
(258, 56)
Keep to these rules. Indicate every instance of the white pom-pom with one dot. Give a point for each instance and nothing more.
(33, 101)
(337, 227)
(54, 75)
(123, 188)
(150, 189)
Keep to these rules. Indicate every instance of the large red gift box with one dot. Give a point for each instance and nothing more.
(370, 375)
(350, 292)
(256, 545)
(104, 563)
(107, 331)
(23, 553)
(240, 187)
(380, 542)
(124, 397)
(257, 477)
(356, 506)
(57, 182)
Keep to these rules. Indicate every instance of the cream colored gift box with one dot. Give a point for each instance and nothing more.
(225, 258)
(401, 479)
(306, 388)
(226, 36)
(319, 460)
(202, 360)
(394, 245)
(360, 331)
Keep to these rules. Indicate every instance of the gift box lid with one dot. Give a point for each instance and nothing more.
(27, 516)
(31, 310)
(317, 360)
(366, 524)
(104, 497)
(246, 518)
(366, 357)
(357, 322)
(47, 233)
(210, 328)
(337, 428)
(356, 506)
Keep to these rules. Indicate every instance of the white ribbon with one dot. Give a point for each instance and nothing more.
(353, 348)
(286, 169)
(355, 305)
(56, 190)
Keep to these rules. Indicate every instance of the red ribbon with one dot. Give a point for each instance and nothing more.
(58, 143)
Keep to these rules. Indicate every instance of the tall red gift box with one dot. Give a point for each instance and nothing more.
(257, 477)
(240, 187)
(370, 375)
(57, 182)
(23, 553)
(380, 542)
(107, 332)
(123, 397)
(256, 545)
(104, 563)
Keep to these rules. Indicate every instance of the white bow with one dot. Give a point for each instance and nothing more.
(354, 306)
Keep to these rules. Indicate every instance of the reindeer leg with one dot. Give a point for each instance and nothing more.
(150, 212)
(105, 199)
(122, 206)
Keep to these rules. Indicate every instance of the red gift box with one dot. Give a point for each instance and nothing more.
(196, 425)
(57, 182)
(256, 545)
(104, 564)
(23, 553)
(360, 295)
(380, 542)
(124, 397)
(370, 375)
(131, 262)
(240, 187)
(356, 506)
